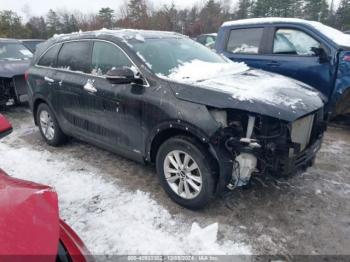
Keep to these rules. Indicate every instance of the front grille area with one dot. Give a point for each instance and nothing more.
(301, 131)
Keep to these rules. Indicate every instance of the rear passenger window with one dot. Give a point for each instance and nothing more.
(244, 41)
(106, 56)
(50, 57)
(75, 56)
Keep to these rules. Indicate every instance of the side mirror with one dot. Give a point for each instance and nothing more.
(321, 53)
(121, 75)
(5, 126)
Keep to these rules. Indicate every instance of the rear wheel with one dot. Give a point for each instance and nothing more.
(186, 171)
(49, 127)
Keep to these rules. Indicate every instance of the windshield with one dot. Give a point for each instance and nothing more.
(14, 51)
(163, 55)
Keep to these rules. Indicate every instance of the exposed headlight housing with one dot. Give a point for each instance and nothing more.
(220, 116)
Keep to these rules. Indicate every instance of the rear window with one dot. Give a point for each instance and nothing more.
(75, 56)
(50, 57)
(244, 41)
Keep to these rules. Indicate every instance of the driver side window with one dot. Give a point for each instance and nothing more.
(106, 56)
(294, 42)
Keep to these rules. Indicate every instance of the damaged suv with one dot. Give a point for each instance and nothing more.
(14, 61)
(206, 122)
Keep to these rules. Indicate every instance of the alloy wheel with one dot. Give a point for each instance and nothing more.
(47, 125)
(182, 174)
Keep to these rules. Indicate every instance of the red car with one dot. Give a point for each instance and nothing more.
(30, 227)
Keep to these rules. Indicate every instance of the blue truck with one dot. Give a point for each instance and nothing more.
(308, 51)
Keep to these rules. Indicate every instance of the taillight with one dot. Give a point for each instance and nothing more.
(346, 58)
(26, 75)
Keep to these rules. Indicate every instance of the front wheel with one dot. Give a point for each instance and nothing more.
(186, 171)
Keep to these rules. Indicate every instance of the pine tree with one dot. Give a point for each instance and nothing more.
(316, 10)
(211, 17)
(11, 25)
(106, 17)
(37, 27)
(54, 25)
(243, 10)
(137, 11)
(343, 15)
(269, 8)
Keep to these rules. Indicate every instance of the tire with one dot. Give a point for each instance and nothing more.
(51, 132)
(196, 195)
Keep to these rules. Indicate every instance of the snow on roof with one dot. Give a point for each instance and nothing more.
(125, 34)
(9, 40)
(333, 34)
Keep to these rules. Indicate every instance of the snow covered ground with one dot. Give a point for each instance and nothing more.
(117, 206)
(109, 218)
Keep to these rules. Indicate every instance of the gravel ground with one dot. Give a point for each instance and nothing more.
(308, 214)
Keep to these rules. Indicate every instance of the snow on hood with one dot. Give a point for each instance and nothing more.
(333, 34)
(243, 85)
(261, 86)
(197, 70)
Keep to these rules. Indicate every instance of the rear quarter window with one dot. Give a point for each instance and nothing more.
(50, 57)
(244, 41)
(75, 56)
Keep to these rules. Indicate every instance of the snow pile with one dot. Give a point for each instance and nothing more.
(109, 219)
(198, 70)
(333, 34)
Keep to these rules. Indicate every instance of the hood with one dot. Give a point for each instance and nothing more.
(254, 91)
(12, 68)
(29, 222)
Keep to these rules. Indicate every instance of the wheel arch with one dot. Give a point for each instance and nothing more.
(37, 101)
(170, 129)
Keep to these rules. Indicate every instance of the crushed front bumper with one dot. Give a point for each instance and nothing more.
(299, 162)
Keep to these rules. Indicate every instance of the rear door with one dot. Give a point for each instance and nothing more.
(42, 77)
(245, 45)
(73, 67)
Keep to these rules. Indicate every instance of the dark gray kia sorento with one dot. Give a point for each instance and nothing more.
(206, 123)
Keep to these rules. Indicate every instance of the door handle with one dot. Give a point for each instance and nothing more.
(48, 79)
(273, 63)
(89, 86)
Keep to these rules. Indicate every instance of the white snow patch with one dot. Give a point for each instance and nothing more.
(255, 86)
(109, 219)
(143, 59)
(198, 70)
(139, 38)
(333, 34)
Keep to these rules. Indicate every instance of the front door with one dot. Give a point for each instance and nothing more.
(114, 109)
(292, 54)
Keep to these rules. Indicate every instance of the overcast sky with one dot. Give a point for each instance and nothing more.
(40, 7)
(27, 8)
